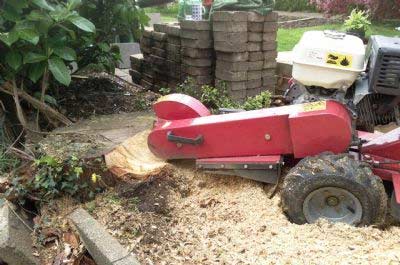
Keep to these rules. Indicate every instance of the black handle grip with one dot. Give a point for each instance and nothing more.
(184, 140)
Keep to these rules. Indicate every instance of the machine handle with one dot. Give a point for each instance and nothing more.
(184, 140)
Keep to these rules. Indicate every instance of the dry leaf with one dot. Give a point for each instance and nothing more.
(71, 239)
(87, 261)
(58, 260)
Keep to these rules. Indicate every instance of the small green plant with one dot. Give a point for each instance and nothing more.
(189, 87)
(100, 56)
(216, 98)
(53, 178)
(212, 97)
(358, 21)
(263, 100)
(165, 91)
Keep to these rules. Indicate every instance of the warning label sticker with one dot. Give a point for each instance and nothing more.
(339, 60)
(314, 106)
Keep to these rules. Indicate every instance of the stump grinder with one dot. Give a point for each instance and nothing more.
(339, 91)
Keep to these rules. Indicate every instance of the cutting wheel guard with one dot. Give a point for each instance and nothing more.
(186, 130)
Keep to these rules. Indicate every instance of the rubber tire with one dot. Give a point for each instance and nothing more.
(339, 171)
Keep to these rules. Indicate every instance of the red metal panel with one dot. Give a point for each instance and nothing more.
(396, 186)
(242, 160)
(235, 134)
(179, 106)
(390, 175)
(386, 145)
(320, 130)
(298, 129)
(367, 136)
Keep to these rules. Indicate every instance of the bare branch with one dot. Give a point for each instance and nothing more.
(43, 107)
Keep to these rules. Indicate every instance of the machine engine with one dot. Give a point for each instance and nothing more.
(333, 65)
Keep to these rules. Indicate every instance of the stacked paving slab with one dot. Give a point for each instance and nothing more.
(159, 65)
(238, 53)
(270, 52)
(197, 52)
(158, 60)
(245, 48)
(147, 73)
(137, 62)
(173, 53)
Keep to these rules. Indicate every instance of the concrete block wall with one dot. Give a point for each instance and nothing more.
(197, 51)
(237, 49)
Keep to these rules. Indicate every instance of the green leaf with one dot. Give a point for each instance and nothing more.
(9, 37)
(43, 4)
(82, 23)
(72, 4)
(59, 70)
(47, 160)
(78, 171)
(49, 99)
(36, 15)
(32, 57)
(29, 35)
(66, 53)
(10, 13)
(104, 47)
(14, 59)
(36, 71)
(18, 4)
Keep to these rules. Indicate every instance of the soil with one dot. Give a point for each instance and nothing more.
(103, 94)
(188, 217)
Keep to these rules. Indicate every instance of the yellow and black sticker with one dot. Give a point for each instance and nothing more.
(339, 60)
(314, 106)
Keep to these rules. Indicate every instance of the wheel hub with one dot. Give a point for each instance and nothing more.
(333, 204)
(332, 201)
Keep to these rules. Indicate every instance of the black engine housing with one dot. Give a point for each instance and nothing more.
(384, 65)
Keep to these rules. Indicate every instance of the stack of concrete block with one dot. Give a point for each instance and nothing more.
(244, 43)
(230, 30)
(146, 44)
(270, 52)
(173, 52)
(137, 62)
(158, 59)
(197, 53)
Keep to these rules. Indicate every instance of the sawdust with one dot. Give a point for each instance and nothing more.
(386, 128)
(133, 157)
(188, 217)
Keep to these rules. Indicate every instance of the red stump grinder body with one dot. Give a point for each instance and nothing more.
(255, 144)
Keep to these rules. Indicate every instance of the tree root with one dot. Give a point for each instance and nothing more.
(8, 88)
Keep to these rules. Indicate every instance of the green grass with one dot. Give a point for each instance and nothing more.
(288, 38)
(170, 10)
(169, 19)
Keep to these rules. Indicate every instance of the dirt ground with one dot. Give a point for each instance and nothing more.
(103, 94)
(187, 217)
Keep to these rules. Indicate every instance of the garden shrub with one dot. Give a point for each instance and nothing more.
(379, 9)
(218, 98)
